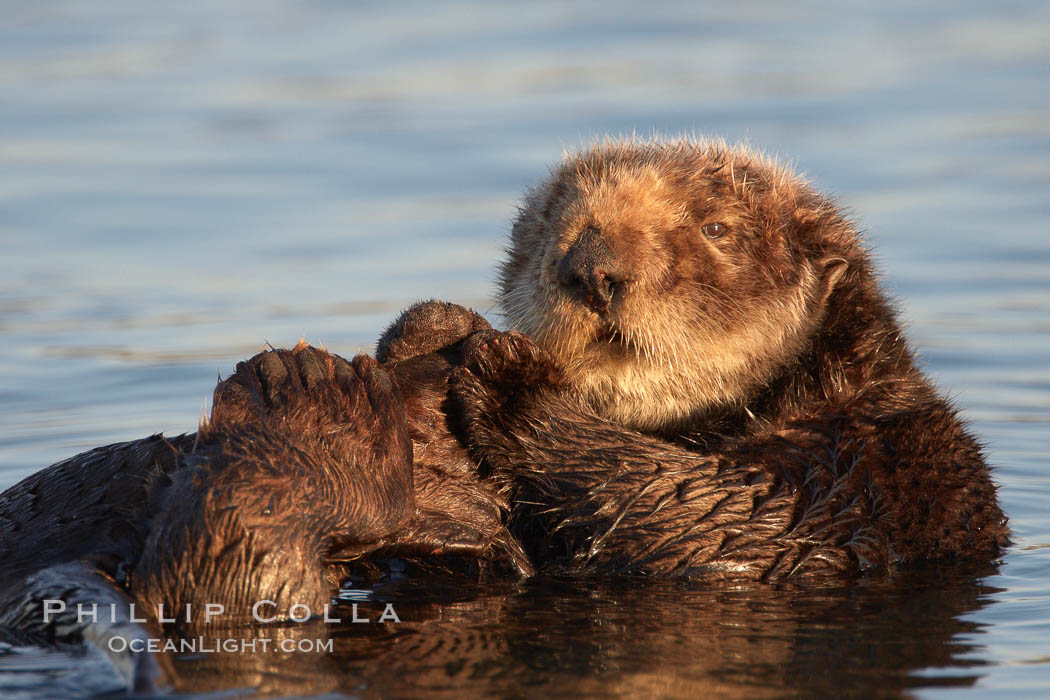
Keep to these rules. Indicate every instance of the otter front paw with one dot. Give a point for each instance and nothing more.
(510, 363)
(505, 377)
(426, 327)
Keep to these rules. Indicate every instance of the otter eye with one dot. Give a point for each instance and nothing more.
(715, 230)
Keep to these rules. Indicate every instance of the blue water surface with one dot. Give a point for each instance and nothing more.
(182, 183)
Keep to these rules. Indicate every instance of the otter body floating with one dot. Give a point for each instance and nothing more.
(711, 382)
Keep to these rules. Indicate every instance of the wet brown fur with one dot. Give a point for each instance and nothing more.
(745, 407)
(305, 466)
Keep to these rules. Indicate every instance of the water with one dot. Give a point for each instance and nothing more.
(181, 183)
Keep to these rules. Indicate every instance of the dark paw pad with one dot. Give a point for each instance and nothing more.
(258, 386)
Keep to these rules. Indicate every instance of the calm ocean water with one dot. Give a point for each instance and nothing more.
(181, 183)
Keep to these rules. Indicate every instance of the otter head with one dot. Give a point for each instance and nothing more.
(672, 280)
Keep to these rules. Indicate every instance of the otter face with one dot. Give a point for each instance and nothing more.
(670, 280)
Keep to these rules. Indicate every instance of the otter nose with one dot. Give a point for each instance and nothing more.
(591, 270)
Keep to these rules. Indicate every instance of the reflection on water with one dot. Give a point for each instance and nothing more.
(620, 639)
(181, 183)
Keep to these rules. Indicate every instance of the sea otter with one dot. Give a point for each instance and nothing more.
(305, 465)
(711, 385)
(705, 380)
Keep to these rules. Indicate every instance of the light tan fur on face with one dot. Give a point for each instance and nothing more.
(722, 330)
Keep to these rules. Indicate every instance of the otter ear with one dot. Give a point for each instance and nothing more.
(831, 271)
